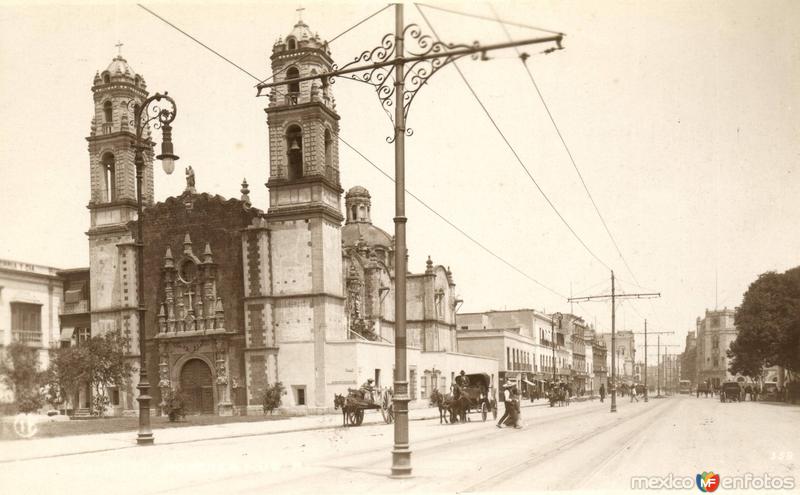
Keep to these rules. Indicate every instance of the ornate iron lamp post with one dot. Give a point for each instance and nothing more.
(398, 68)
(162, 118)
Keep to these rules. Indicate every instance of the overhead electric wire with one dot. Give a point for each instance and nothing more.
(223, 57)
(478, 16)
(451, 224)
(523, 59)
(362, 21)
(513, 150)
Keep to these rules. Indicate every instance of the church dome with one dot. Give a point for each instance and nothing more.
(372, 236)
(358, 226)
(120, 66)
(357, 191)
(301, 31)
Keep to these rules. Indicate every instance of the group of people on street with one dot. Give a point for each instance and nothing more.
(511, 410)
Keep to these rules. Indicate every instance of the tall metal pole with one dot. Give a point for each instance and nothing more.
(145, 436)
(646, 391)
(658, 367)
(613, 347)
(401, 453)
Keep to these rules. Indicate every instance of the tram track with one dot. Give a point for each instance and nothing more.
(541, 456)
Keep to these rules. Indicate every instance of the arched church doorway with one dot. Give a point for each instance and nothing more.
(196, 383)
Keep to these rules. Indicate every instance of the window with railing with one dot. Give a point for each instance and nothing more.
(26, 323)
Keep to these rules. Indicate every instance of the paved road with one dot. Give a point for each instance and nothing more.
(582, 446)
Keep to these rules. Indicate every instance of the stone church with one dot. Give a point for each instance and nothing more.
(238, 297)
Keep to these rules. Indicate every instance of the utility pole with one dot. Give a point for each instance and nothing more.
(614, 296)
(384, 68)
(646, 390)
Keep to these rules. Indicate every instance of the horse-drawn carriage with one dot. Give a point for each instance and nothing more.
(359, 400)
(477, 395)
(558, 394)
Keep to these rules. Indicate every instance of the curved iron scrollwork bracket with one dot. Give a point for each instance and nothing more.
(151, 110)
(434, 55)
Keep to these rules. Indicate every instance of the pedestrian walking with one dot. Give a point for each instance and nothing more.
(506, 404)
(634, 394)
(513, 409)
(602, 392)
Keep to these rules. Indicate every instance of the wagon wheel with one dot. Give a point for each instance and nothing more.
(484, 410)
(359, 417)
(494, 410)
(352, 417)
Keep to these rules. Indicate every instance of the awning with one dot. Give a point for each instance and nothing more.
(73, 296)
(66, 334)
(529, 383)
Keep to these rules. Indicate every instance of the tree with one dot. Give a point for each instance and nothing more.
(19, 371)
(768, 324)
(99, 362)
(272, 397)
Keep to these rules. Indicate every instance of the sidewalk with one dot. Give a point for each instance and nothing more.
(37, 448)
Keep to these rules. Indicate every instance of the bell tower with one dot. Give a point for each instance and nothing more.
(112, 258)
(304, 218)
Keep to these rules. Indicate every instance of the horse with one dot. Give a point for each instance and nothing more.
(441, 401)
(458, 409)
(340, 402)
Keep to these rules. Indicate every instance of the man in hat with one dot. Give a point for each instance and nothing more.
(367, 390)
(461, 382)
(506, 404)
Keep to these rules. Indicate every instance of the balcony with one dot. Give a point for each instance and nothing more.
(77, 307)
(28, 337)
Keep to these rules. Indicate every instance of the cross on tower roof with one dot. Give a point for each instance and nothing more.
(119, 48)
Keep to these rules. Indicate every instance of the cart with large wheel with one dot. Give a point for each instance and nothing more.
(480, 395)
(357, 401)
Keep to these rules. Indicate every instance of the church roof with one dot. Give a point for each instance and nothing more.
(372, 235)
(357, 191)
(301, 31)
(120, 65)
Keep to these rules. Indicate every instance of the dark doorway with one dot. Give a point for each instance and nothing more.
(197, 385)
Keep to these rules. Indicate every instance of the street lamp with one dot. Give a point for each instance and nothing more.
(163, 117)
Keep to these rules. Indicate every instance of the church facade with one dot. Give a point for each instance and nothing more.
(238, 297)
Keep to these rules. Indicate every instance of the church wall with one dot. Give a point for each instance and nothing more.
(291, 257)
(332, 245)
(295, 370)
(207, 219)
(105, 285)
(294, 320)
(335, 321)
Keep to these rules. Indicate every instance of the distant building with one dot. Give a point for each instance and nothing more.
(76, 328)
(522, 341)
(30, 298)
(625, 354)
(599, 359)
(715, 332)
(689, 358)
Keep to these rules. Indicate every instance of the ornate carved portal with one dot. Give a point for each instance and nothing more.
(363, 327)
(190, 303)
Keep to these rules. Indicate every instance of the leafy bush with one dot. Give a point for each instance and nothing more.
(271, 398)
(19, 371)
(175, 404)
(99, 362)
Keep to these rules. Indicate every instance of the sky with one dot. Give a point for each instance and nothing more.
(682, 118)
